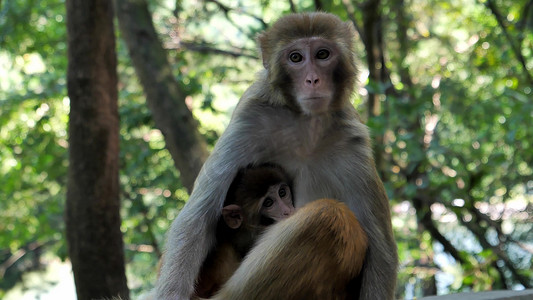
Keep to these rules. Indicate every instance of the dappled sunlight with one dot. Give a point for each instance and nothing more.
(450, 121)
(56, 282)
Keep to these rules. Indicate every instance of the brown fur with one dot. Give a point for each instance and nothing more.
(298, 26)
(327, 153)
(246, 191)
(252, 183)
(325, 235)
(217, 269)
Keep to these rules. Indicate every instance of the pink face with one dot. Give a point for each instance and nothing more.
(310, 63)
(277, 203)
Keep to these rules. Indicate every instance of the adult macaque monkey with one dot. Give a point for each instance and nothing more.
(312, 255)
(258, 197)
(297, 115)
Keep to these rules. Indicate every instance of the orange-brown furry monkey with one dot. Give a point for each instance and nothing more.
(297, 115)
(325, 235)
(258, 197)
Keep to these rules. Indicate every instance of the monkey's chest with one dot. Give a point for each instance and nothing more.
(311, 142)
(322, 173)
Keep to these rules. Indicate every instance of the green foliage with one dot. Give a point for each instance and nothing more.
(33, 118)
(463, 126)
(457, 137)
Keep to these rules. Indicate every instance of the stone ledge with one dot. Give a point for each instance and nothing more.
(493, 295)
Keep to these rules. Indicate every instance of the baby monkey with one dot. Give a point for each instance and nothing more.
(258, 197)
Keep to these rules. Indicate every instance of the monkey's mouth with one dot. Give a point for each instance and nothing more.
(313, 100)
(316, 95)
(315, 104)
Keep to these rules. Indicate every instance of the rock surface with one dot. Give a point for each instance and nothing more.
(493, 295)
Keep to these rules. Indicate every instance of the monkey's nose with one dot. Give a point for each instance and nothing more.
(311, 78)
(312, 81)
(288, 212)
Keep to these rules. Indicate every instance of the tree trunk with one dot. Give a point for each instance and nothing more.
(373, 40)
(93, 221)
(165, 99)
(378, 75)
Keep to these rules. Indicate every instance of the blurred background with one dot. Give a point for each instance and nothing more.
(445, 87)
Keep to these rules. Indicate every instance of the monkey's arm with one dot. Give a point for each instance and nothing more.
(381, 267)
(192, 233)
(365, 194)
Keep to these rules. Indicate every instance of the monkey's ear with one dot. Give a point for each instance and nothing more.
(262, 41)
(232, 215)
(265, 61)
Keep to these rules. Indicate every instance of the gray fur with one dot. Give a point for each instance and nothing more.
(327, 155)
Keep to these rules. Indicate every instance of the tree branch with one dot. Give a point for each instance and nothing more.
(205, 48)
(20, 253)
(318, 5)
(164, 96)
(424, 217)
(516, 49)
(350, 9)
(293, 7)
(479, 232)
(525, 16)
(226, 10)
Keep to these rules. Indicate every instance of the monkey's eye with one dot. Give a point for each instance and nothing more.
(295, 57)
(322, 54)
(282, 192)
(268, 202)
